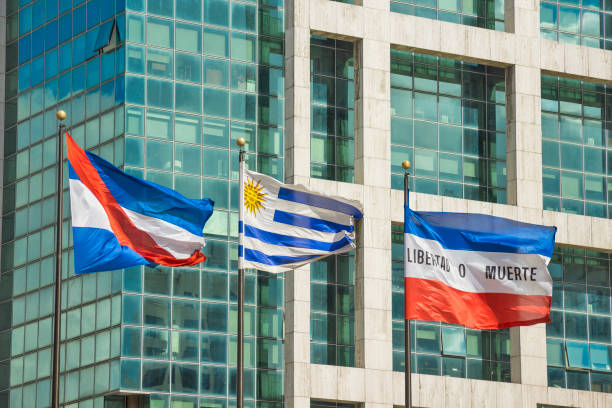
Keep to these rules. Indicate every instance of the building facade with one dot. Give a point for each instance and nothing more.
(504, 107)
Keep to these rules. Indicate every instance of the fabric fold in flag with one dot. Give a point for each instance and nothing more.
(120, 221)
(480, 271)
(287, 226)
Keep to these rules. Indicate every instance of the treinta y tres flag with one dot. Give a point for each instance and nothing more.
(283, 227)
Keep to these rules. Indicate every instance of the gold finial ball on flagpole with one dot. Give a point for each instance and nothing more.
(406, 165)
(240, 142)
(60, 115)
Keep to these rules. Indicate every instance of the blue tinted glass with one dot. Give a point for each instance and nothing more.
(119, 90)
(93, 12)
(64, 5)
(108, 66)
(79, 20)
(25, 51)
(107, 9)
(135, 90)
(64, 86)
(216, 12)
(65, 56)
(38, 42)
(79, 46)
(78, 79)
(65, 27)
(51, 35)
(25, 20)
(600, 357)
(93, 72)
(38, 71)
(38, 13)
(51, 64)
(24, 77)
(578, 354)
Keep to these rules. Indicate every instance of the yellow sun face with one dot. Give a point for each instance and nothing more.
(253, 197)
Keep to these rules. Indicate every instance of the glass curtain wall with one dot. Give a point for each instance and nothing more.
(478, 13)
(440, 348)
(332, 311)
(576, 144)
(332, 116)
(588, 22)
(59, 56)
(448, 118)
(579, 338)
(201, 74)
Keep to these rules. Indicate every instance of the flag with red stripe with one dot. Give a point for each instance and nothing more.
(119, 221)
(476, 270)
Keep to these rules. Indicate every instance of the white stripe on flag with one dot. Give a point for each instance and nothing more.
(88, 212)
(474, 279)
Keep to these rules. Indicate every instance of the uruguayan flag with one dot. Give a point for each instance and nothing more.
(284, 226)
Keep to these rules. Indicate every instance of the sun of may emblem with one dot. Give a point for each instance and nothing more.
(253, 197)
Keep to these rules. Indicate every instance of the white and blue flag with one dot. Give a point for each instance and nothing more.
(283, 227)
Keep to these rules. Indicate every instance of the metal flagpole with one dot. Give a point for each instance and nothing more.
(407, 369)
(240, 360)
(60, 115)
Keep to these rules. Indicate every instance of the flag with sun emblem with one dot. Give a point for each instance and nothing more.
(283, 227)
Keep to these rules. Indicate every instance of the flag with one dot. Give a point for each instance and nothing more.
(286, 226)
(476, 270)
(119, 221)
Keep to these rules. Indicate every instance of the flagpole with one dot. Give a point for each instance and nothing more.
(407, 357)
(240, 352)
(60, 115)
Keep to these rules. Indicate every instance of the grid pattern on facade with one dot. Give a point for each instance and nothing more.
(478, 13)
(201, 74)
(53, 63)
(576, 144)
(332, 311)
(332, 97)
(579, 338)
(330, 404)
(448, 118)
(179, 334)
(586, 22)
(440, 348)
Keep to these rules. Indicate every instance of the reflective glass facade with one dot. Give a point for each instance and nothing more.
(448, 118)
(579, 338)
(478, 13)
(576, 144)
(162, 89)
(53, 63)
(332, 123)
(440, 348)
(332, 311)
(586, 22)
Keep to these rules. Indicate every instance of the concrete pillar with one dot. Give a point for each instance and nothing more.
(373, 340)
(297, 91)
(524, 165)
(523, 93)
(297, 338)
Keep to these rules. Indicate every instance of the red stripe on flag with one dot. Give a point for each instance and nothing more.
(125, 231)
(433, 300)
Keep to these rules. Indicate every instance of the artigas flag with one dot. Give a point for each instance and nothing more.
(283, 226)
(476, 270)
(119, 221)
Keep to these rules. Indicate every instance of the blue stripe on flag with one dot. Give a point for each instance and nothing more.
(316, 200)
(252, 255)
(310, 223)
(152, 199)
(289, 241)
(479, 232)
